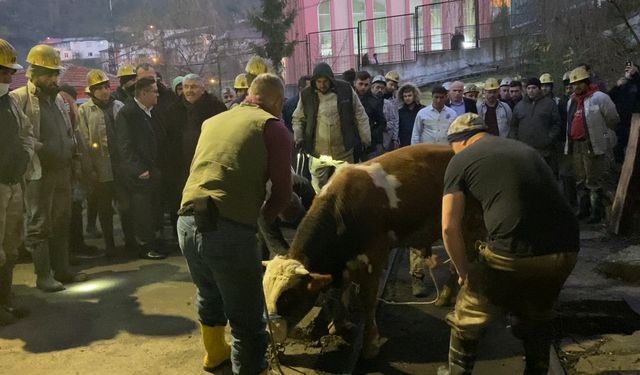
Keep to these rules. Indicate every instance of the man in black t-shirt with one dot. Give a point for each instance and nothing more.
(532, 242)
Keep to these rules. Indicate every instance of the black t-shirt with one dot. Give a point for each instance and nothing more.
(524, 212)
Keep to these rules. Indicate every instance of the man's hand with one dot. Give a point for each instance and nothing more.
(144, 176)
(298, 144)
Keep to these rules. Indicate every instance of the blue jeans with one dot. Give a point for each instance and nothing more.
(225, 266)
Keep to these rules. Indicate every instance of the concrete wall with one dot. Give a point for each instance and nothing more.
(492, 54)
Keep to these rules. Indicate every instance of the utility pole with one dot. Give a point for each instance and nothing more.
(112, 51)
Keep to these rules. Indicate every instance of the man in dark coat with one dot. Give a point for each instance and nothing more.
(182, 123)
(626, 96)
(458, 102)
(410, 99)
(374, 107)
(137, 142)
(536, 122)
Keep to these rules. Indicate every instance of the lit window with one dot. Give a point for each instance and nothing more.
(358, 14)
(436, 27)
(324, 24)
(380, 26)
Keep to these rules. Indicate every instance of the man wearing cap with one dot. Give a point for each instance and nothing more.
(328, 124)
(457, 101)
(49, 172)
(591, 116)
(471, 92)
(176, 85)
(255, 66)
(565, 162)
(495, 113)
(505, 83)
(16, 143)
(546, 82)
(531, 248)
(96, 124)
(390, 111)
(393, 79)
(127, 76)
(536, 122)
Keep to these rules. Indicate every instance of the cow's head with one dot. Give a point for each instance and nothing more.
(290, 290)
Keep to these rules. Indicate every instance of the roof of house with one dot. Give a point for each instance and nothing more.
(72, 75)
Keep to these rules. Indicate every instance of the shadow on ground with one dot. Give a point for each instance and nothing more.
(96, 310)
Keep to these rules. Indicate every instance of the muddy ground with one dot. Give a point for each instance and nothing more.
(137, 317)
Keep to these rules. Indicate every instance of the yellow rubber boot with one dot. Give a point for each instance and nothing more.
(218, 352)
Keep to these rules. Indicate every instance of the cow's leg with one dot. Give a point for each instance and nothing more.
(369, 281)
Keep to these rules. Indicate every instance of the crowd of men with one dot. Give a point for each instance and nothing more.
(148, 149)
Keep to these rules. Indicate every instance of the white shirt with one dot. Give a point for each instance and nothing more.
(142, 107)
(431, 126)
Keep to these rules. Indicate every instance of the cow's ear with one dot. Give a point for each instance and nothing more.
(318, 281)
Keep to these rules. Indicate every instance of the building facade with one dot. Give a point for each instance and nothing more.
(347, 33)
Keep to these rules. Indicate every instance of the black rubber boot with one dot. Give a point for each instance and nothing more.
(462, 356)
(597, 207)
(583, 204)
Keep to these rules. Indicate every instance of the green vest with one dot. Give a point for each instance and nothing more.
(230, 163)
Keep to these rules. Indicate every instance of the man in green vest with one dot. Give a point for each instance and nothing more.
(237, 152)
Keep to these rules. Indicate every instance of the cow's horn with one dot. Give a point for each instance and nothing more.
(300, 270)
(265, 263)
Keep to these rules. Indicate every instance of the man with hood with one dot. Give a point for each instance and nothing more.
(591, 115)
(328, 124)
(536, 122)
(49, 172)
(96, 124)
(183, 122)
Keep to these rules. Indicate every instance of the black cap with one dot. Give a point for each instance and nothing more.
(534, 81)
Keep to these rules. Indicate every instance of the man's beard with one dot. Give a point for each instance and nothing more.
(51, 90)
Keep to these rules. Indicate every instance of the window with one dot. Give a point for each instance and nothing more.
(358, 14)
(469, 16)
(324, 24)
(66, 55)
(90, 54)
(380, 26)
(436, 27)
(416, 39)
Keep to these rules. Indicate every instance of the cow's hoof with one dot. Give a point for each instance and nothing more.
(444, 298)
(372, 349)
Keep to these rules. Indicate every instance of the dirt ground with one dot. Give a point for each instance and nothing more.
(137, 317)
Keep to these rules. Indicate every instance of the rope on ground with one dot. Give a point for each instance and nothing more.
(417, 303)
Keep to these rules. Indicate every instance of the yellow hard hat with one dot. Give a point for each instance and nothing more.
(578, 74)
(8, 55)
(96, 77)
(256, 66)
(126, 70)
(393, 76)
(491, 84)
(471, 88)
(546, 78)
(241, 82)
(44, 56)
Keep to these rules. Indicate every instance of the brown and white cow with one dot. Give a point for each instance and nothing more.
(363, 212)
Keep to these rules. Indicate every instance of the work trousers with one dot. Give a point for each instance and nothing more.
(48, 217)
(11, 235)
(226, 269)
(589, 169)
(103, 194)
